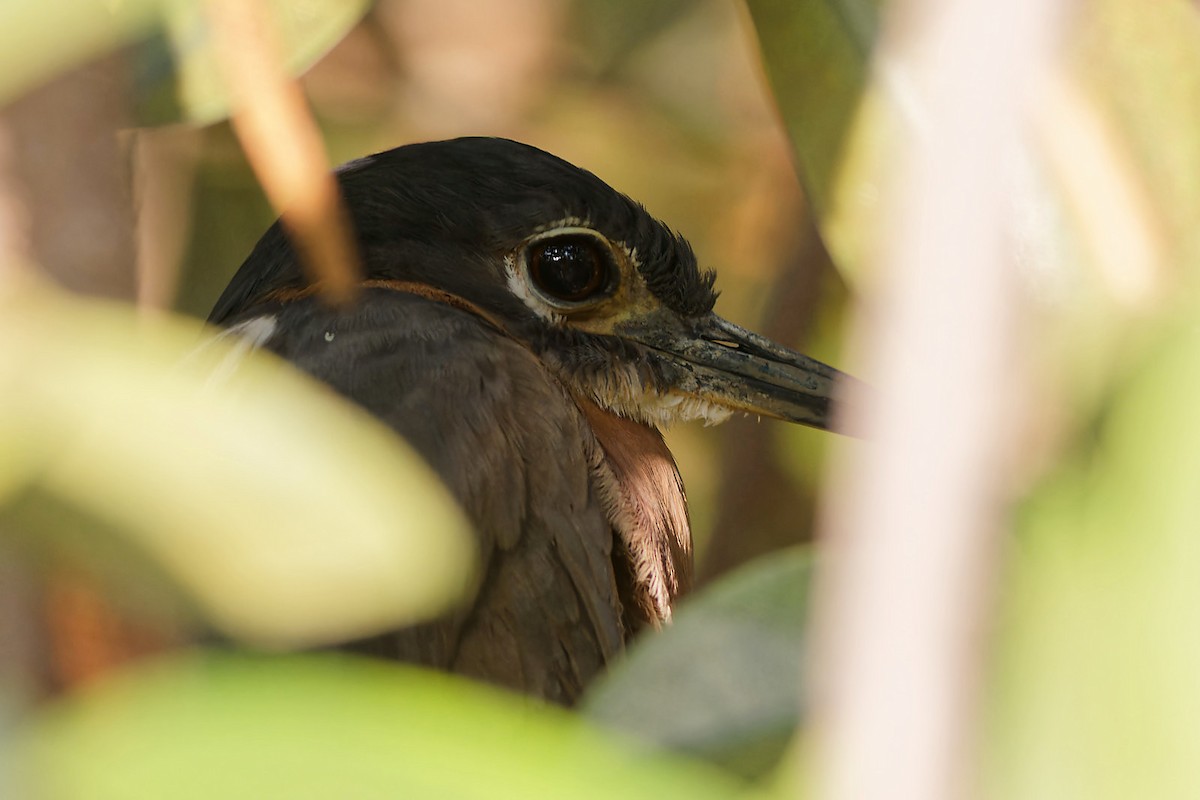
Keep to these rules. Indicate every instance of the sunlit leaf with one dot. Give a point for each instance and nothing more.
(41, 37)
(326, 727)
(817, 55)
(1142, 62)
(1098, 696)
(1119, 132)
(177, 72)
(304, 31)
(722, 681)
(291, 516)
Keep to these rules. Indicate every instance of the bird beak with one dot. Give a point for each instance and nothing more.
(730, 366)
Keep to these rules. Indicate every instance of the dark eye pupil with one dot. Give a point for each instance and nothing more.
(567, 269)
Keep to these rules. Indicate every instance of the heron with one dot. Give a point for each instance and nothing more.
(528, 330)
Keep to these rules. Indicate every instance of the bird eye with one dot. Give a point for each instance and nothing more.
(570, 269)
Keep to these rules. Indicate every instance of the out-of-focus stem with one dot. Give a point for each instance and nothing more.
(912, 522)
(283, 144)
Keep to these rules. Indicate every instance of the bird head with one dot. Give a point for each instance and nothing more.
(608, 297)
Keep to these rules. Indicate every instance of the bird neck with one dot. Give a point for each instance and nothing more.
(644, 499)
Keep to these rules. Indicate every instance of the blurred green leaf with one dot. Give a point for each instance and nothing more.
(193, 88)
(721, 682)
(291, 516)
(612, 31)
(842, 124)
(325, 727)
(1097, 689)
(39, 38)
(817, 54)
(177, 71)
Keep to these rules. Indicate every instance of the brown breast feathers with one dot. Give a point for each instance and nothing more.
(644, 498)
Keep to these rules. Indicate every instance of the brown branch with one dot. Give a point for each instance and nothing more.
(283, 144)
